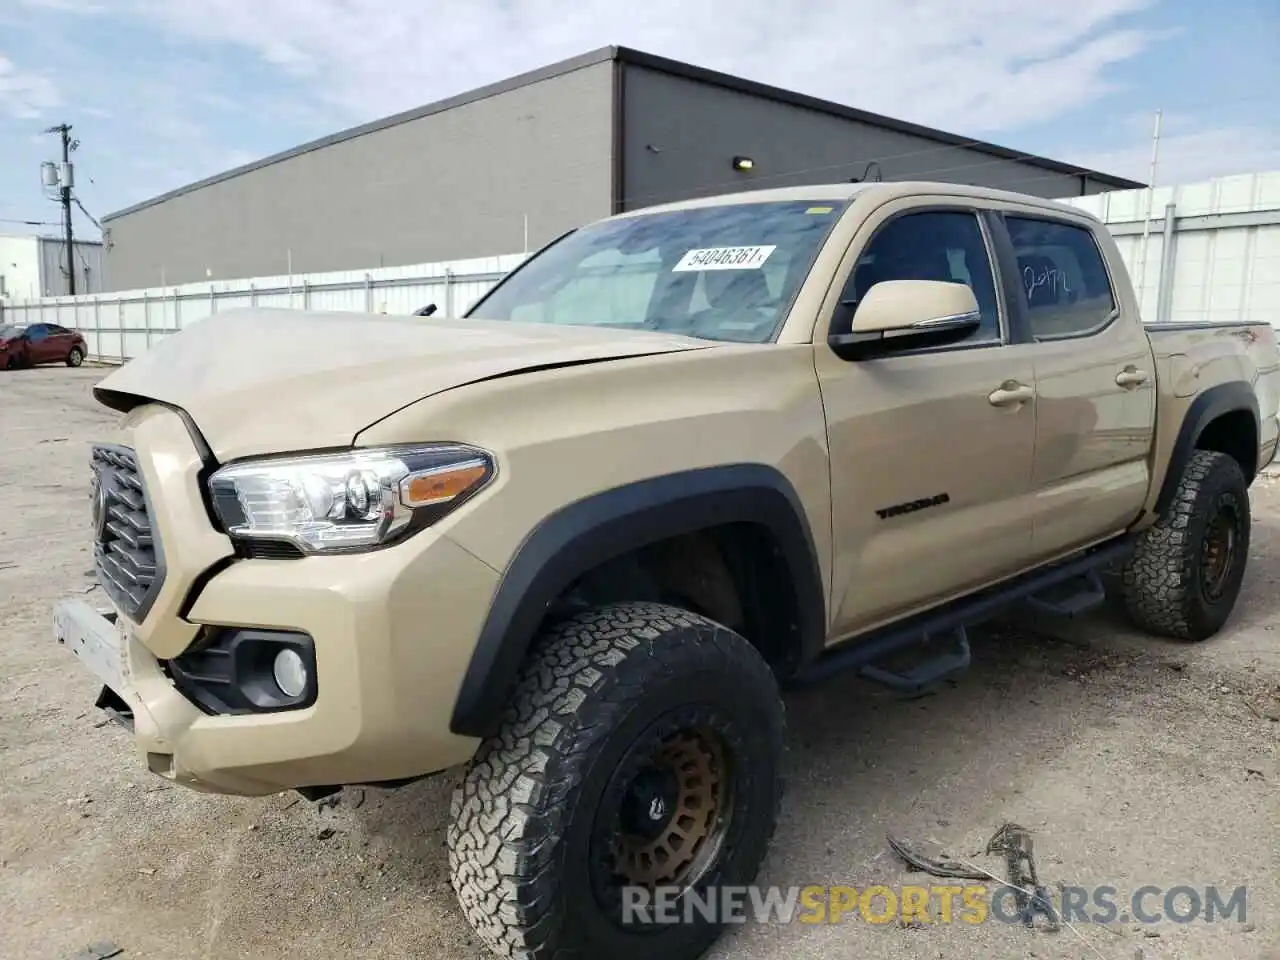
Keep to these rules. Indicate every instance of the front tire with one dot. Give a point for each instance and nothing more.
(1184, 577)
(75, 357)
(641, 752)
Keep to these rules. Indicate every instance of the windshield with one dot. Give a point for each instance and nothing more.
(726, 272)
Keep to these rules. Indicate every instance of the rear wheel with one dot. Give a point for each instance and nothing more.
(75, 357)
(1184, 577)
(640, 758)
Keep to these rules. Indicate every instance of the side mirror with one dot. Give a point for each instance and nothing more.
(908, 315)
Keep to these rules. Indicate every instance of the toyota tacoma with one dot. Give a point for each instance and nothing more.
(577, 540)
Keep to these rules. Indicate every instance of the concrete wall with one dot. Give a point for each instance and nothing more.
(681, 135)
(453, 184)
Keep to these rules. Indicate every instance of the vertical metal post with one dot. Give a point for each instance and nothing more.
(120, 327)
(1146, 225)
(1168, 252)
(146, 317)
(368, 293)
(97, 326)
(177, 310)
(213, 300)
(448, 292)
(253, 294)
(306, 294)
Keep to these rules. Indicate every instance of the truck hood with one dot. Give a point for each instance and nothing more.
(261, 381)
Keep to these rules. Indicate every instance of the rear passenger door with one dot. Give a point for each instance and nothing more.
(38, 343)
(931, 449)
(1095, 385)
(59, 343)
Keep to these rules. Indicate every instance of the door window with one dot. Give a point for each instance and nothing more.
(945, 245)
(37, 332)
(1062, 276)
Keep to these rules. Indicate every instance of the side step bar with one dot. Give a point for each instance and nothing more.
(862, 651)
(1071, 597)
(928, 672)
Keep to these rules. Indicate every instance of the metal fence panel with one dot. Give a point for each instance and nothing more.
(1212, 252)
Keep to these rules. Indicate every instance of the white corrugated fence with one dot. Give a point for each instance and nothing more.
(1212, 253)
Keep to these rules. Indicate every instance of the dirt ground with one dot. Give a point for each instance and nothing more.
(1133, 761)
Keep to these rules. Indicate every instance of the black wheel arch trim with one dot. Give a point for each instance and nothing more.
(1233, 397)
(588, 532)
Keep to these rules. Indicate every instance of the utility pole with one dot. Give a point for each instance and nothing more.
(65, 183)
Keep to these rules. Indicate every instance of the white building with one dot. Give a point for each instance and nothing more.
(32, 267)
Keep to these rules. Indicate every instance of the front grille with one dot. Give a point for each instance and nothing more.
(128, 559)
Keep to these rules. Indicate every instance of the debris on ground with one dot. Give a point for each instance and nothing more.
(1032, 898)
(942, 867)
(1014, 844)
(99, 951)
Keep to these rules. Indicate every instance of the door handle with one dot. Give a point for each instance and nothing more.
(1009, 393)
(1131, 377)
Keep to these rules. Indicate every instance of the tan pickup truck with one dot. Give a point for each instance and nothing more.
(578, 539)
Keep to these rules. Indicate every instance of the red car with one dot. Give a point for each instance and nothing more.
(40, 343)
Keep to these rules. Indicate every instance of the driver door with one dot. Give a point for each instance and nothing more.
(931, 463)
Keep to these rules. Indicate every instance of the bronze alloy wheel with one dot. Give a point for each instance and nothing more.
(673, 814)
(1218, 549)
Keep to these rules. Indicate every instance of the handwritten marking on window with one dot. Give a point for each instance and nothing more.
(1050, 277)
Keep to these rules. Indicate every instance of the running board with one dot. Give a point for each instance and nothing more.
(925, 674)
(1071, 597)
(876, 646)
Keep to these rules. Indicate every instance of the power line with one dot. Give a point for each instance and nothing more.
(92, 220)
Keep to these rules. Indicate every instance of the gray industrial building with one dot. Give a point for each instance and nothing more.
(512, 165)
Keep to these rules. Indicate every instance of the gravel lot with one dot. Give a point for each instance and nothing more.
(1133, 761)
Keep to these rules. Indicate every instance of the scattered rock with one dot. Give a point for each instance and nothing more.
(78, 801)
(1251, 774)
(1247, 927)
(147, 871)
(1151, 933)
(325, 833)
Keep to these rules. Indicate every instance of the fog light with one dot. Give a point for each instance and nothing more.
(290, 673)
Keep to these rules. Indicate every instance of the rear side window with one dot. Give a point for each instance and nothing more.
(1062, 276)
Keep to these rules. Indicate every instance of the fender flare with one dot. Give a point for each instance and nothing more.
(1232, 397)
(588, 532)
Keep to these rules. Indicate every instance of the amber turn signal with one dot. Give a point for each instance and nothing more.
(441, 484)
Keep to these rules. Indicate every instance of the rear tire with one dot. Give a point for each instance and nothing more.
(1184, 577)
(75, 357)
(642, 749)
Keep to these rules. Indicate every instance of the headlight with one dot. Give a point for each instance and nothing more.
(350, 501)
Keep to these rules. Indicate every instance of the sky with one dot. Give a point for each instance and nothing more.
(164, 92)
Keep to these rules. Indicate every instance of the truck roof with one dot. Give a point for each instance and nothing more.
(881, 190)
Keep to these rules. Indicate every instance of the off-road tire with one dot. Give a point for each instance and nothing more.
(1163, 581)
(595, 689)
(75, 357)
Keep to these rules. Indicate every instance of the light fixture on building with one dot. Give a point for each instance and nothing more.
(743, 163)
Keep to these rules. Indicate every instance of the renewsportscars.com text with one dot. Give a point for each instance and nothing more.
(941, 903)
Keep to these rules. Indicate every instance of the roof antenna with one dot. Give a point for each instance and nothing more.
(867, 172)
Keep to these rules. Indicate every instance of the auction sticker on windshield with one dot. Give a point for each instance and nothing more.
(724, 258)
